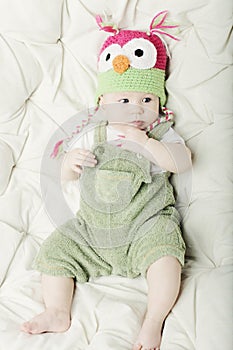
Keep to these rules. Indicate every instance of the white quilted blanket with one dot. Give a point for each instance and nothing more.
(48, 52)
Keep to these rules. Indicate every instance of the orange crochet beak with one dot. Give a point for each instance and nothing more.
(120, 64)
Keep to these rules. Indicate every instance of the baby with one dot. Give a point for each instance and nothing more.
(127, 224)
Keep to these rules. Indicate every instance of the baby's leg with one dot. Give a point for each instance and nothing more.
(58, 294)
(163, 279)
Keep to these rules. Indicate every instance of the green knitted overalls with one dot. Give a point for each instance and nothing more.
(126, 219)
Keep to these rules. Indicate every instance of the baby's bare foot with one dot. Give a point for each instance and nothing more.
(150, 335)
(51, 320)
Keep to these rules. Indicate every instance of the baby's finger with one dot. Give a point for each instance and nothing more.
(91, 162)
(77, 168)
(84, 160)
(88, 162)
(84, 153)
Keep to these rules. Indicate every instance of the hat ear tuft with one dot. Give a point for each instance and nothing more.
(107, 27)
(159, 26)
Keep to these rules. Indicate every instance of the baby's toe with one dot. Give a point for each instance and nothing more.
(27, 327)
(137, 346)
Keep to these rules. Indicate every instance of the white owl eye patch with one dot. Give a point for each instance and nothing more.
(140, 52)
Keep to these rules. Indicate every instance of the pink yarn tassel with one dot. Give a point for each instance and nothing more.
(168, 116)
(110, 28)
(57, 149)
(159, 27)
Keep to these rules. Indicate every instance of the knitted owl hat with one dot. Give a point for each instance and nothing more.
(132, 60)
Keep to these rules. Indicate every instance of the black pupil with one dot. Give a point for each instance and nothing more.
(138, 53)
(108, 56)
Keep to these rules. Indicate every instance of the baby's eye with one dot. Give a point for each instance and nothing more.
(146, 99)
(124, 100)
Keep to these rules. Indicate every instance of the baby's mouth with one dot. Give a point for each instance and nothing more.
(137, 123)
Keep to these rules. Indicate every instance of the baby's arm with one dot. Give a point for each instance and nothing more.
(73, 162)
(173, 157)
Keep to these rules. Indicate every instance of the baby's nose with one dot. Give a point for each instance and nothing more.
(120, 64)
(136, 109)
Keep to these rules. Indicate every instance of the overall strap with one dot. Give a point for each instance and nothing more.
(100, 133)
(159, 130)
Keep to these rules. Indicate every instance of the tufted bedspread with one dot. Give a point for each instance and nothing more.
(48, 53)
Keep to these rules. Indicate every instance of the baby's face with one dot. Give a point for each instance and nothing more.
(135, 108)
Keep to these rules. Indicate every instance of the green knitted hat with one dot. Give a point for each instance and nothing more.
(140, 80)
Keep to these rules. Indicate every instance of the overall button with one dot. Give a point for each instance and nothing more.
(139, 156)
(100, 150)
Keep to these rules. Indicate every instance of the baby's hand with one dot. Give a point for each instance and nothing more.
(132, 133)
(133, 138)
(79, 158)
